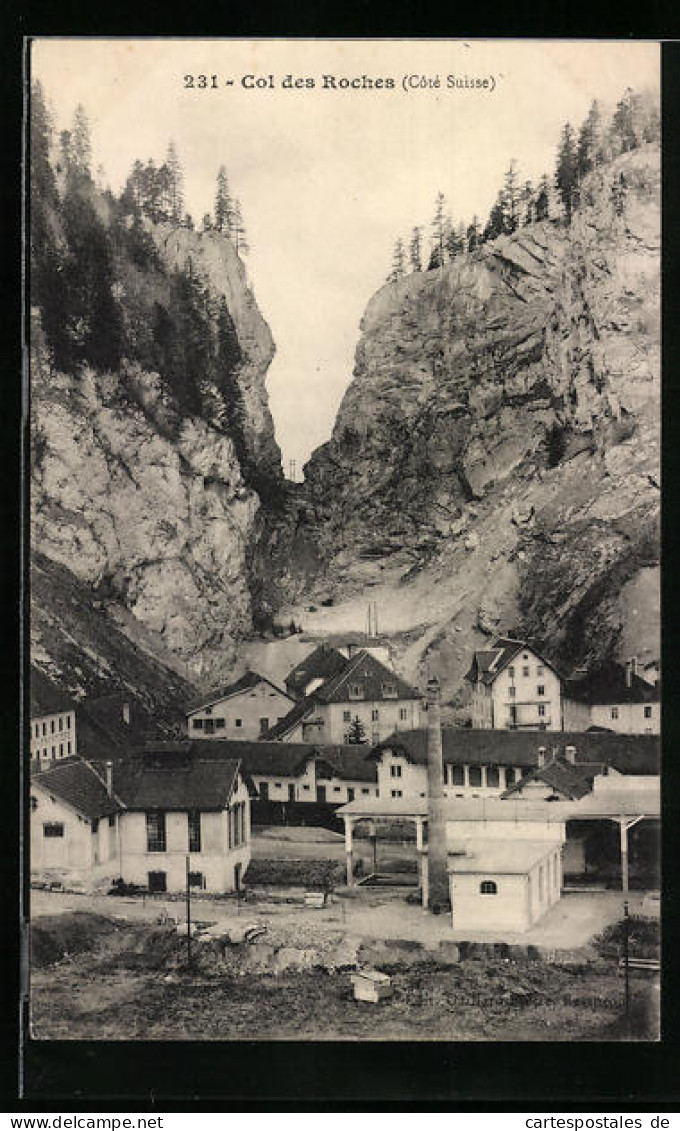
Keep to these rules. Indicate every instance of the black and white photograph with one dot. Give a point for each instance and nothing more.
(343, 373)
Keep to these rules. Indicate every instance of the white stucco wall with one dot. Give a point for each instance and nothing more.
(80, 856)
(630, 717)
(249, 706)
(59, 737)
(519, 902)
(526, 697)
(413, 778)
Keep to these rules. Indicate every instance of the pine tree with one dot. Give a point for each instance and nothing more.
(224, 208)
(356, 734)
(238, 231)
(542, 203)
(176, 183)
(81, 146)
(495, 225)
(473, 235)
(527, 204)
(589, 145)
(207, 223)
(566, 175)
(438, 232)
(416, 250)
(511, 199)
(398, 261)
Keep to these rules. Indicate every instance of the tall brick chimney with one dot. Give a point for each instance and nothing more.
(438, 880)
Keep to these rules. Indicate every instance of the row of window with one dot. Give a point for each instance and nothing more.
(53, 750)
(540, 690)
(526, 671)
(156, 833)
(375, 715)
(387, 691)
(647, 712)
(53, 729)
(209, 726)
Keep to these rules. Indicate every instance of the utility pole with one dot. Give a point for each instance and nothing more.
(375, 618)
(626, 970)
(439, 898)
(188, 919)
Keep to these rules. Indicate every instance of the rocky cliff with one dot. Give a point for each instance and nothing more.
(145, 495)
(495, 460)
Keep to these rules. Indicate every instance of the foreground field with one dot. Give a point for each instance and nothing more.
(130, 981)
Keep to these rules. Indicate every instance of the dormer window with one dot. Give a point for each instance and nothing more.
(208, 710)
(356, 690)
(389, 691)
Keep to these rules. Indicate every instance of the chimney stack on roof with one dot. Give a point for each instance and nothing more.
(570, 754)
(126, 712)
(633, 665)
(541, 755)
(109, 778)
(629, 672)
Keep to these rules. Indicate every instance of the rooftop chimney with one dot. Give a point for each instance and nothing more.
(126, 713)
(629, 673)
(109, 778)
(633, 665)
(570, 754)
(438, 880)
(541, 755)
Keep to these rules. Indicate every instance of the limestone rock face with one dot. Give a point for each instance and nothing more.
(149, 506)
(500, 437)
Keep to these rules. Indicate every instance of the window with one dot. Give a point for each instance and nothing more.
(346, 716)
(511, 672)
(475, 775)
(95, 825)
(52, 726)
(306, 788)
(157, 881)
(540, 669)
(525, 671)
(492, 775)
(53, 828)
(356, 690)
(194, 823)
(68, 722)
(511, 692)
(488, 887)
(525, 656)
(220, 724)
(53, 751)
(197, 724)
(61, 749)
(277, 785)
(541, 709)
(196, 880)
(112, 822)
(541, 689)
(238, 722)
(68, 747)
(389, 691)
(44, 729)
(155, 832)
(395, 771)
(208, 710)
(209, 726)
(615, 712)
(364, 790)
(458, 775)
(402, 713)
(510, 776)
(397, 793)
(264, 725)
(34, 803)
(375, 715)
(336, 789)
(61, 723)
(37, 730)
(648, 712)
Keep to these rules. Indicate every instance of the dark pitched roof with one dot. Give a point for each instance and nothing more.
(46, 697)
(367, 670)
(490, 662)
(627, 753)
(289, 721)
(76, 782)
(244, 683)
(285, 759)
(175, 780)
(608, 685)
(102, 732)
(559, 776)
(323, 663)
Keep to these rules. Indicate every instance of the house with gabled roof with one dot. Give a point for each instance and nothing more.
(514, 687)
(139, 818)
(364, 689)
(320, 665)
(245, 709)
(53, 719)
(616, 698)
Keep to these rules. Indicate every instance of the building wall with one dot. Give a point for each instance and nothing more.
(576, 715)
(519, 902)
(337, 789)
(412, 780)
(238, 717)
(392, 715)
(550, 831)
(54, 736)
(627, 718)
(81, 856)
(526, 701)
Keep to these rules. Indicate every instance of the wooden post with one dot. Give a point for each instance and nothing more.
(348, 850)
(623, 831)
(188, 919)
(626, 972)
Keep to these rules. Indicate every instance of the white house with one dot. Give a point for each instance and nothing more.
(613, 698)
(53, 720)
(245, 709)
(514, 687)
(139, 819)
(500, 886)
(364, 690)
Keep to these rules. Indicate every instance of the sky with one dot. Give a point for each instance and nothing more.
(328, 178)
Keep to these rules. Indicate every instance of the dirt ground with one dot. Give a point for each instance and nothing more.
(130, 981)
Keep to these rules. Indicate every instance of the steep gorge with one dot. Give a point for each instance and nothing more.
(495, 460)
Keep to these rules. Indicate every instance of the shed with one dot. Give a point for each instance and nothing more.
(504, 885)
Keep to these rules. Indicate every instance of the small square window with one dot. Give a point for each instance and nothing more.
(615, 712)
(112, 822)
(540, 669)
(53, 829)
(648, 712)
(238, 722)
(511, 672)
(541, 709)
(375, 715)
(396, 793)
(306, 788)
(346, 716)
(395, 771)
(511, 692)
(220, 724)
(208, 710)
(336, 789)
(197, 724)
(364, 790)
(525, 671)
(541, 689)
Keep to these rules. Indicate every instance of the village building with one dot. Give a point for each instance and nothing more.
(514, 688)
(53, 720)
(245, 709)
(364, 695)
(615, 698)
(316, 668)
(138, 819)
